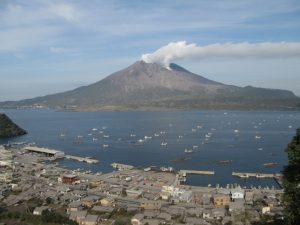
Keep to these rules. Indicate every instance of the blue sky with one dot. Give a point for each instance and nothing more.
(52, 46)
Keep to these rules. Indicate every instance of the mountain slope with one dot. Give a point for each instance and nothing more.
(8, 128)
(149, 85)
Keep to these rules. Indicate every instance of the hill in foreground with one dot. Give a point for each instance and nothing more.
(8, 128)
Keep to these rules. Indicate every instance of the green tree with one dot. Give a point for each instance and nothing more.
(291, 182)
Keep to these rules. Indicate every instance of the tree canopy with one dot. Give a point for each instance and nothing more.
(291, 182)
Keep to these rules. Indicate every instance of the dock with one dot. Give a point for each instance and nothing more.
(199, 172)
(120, 166)
(255, 175)
(81, 159)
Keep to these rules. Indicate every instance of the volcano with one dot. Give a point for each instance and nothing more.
(150, 86)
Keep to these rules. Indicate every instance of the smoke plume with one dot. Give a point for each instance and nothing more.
(183, 50)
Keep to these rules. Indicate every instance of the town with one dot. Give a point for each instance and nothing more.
(32, 181)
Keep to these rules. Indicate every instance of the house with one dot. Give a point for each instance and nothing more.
(150, 214)
(221, 200)
(69, 179)
(164, 216)
(249, 197)
(90, 220)
(185, 196)
(265, 209)
(134, 193)
(137, 219)
(206, 214)
(165, 195)
(237, 193)
(195, 211)
(107, 201)
(90, 200)
(237, 206)
(74, 207)
(39, 210)
(78, 216)
(106, 209)
(195, 221)
(271, 202)
(174, 210)
(218, 213)
(206, 199)
(150, 205)
(115, 191)
(152, 221)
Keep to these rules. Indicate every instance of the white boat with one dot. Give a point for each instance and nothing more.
(260, 149)
(90, 134)
(79, 136)
(188, 150)
(208, 135)
(62, 135)
(94, 129)
(236, 131)
(132, 135)
(199, 127)
(180, 136)
(290, 126)
(195, 146)
(148, 137)
(156, 135)
(104, 145)
(106, 136)
(193, 130)
(95, 139)
(164, 144)
(257, 137)
(140, 141)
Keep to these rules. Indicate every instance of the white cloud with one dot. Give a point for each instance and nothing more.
(183, 50)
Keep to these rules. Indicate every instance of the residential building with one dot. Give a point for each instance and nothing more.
(221, 200)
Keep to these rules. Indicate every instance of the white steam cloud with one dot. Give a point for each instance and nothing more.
(182, 50)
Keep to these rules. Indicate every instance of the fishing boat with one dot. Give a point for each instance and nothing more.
(272, 164)
(164, 143)
(188, 150)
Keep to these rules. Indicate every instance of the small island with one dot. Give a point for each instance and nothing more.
(8, 128)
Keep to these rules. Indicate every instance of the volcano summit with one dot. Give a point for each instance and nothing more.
(150, 86)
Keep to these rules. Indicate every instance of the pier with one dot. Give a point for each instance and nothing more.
(199, 172)
(120, 166)
(82, 159)
(276, 176)
(255, 175)
(56, 154)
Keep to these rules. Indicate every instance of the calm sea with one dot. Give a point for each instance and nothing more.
(247, 139)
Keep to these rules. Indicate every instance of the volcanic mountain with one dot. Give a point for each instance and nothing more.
(150, 86)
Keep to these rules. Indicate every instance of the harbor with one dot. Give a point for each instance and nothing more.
(276, 176)
(56, 154)
(184, 173)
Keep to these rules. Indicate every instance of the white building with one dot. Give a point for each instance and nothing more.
(237, 193)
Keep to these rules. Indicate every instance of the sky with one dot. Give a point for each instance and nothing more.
(49, 46)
